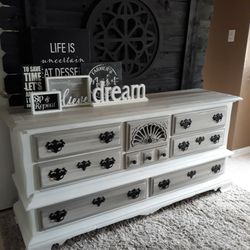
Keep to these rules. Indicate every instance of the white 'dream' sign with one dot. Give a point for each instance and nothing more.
(75, 90)
(118, 95)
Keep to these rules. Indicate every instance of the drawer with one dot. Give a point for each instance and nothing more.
(173, 180)
(67, 142)
(93, 204)
(85, 166)
(197, 142)
(147, 157)
(186, 122)
(147, 133)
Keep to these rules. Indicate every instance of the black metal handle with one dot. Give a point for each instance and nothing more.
(57, 174)
(58, 215)
(83, 165)
(200, 139)
(55, 146)
(164, 184)
(98, 201)
(186, 123)
(183, 146)
(163, 154)
(217, 117)
(191, 174)
(215, 169)
(215, 138)
(108, 162)
(135, 193)
(149, 158)
(107, 137)
(134, 162)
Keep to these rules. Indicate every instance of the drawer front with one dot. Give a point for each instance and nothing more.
(93, 204)
(62, 171)
(147, 157)
(183, 123)
(51, 145)
(171, 181)
(148, 133)
(197, 142)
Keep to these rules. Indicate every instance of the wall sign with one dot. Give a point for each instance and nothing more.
(60, 51)
(46, 102)
(109, 73)
(75, 90)
(32, 82)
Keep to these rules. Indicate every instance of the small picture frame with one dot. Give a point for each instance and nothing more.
(45, 102)
(75, 90)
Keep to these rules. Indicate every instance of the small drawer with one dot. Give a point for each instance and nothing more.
(133, 160)
(93, 204)
(183, 123)
(162, 153)
(149, 156)
(148, 133)
(85, 166)
(174, 180)
(197, 142)
(68, 142)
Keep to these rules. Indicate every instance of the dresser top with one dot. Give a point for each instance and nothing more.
(159, 104)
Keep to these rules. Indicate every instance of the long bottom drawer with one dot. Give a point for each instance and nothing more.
(93, 204)
(188, 176)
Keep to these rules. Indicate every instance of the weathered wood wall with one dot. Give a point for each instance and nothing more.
(183, 32)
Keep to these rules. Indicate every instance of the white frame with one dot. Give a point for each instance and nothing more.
(48, 81)
(34, 112)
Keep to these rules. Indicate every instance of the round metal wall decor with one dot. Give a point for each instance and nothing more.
(124, 30)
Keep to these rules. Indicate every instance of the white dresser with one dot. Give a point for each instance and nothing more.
(86, 168)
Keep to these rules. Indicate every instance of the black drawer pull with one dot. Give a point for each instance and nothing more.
(217, 117)
(215, 169)
(164, 184)
(191, 174)
(58, 215)
(163, 154)
(133, 162)
(83, 165)
(149, 158)
(107, 137)
(108, 163)
(215, 138)
(200, 139)
(57, 174)
(134, 194)
(98, 201)
(186, 123)
(184, 145)
(55, 146)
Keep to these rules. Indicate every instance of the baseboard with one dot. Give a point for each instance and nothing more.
(241, 151)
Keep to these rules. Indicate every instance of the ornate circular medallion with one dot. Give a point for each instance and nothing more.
(124, 30)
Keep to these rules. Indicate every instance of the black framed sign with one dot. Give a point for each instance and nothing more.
(60, 51)
(32, 81)
(109, 73)
(46, 102)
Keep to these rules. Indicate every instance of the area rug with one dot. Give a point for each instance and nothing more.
(212, 220)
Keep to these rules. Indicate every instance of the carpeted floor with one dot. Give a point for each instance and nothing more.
(208, 221)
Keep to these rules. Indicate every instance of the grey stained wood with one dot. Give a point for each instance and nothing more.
(83, 207)
(181, 178)
(199, 120)
(77, 168)
(76, 141)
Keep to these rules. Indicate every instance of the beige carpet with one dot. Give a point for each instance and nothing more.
(208, 221)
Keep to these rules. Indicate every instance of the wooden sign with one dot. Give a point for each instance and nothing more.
(109, 73)
(46, 102)
(32, 82)
(75, 90)
(60, 51)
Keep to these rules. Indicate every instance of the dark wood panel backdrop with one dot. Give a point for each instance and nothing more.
(183, 33)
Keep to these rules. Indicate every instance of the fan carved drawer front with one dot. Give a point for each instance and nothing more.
(174, 180)
(148, 133)
(80, 167)
(147, 157)
(83, 140)
(93, 204)
(186, 122)
(197, 142)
